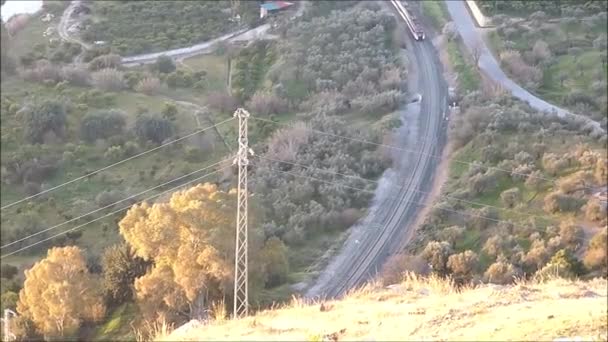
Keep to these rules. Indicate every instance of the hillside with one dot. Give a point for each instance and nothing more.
(429, 309)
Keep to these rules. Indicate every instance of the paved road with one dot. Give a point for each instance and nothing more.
(397, 199)
(205, 47)
(471, 36)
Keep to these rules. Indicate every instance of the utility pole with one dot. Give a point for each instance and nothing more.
(241, 299)
(8, 336)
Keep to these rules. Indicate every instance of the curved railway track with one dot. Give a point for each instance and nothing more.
(366, 249)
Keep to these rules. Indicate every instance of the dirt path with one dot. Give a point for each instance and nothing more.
(62, 29)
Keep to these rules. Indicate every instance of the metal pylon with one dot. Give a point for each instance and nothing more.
(241, 300)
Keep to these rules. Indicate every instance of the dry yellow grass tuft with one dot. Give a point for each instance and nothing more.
(429, 309)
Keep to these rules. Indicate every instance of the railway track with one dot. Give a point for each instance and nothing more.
(366, 250)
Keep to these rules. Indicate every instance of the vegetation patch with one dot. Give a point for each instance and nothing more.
(558, 52)
(135, 27)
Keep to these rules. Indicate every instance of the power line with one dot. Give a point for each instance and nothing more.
(111, 204)
(415, 152)
(543, 217)
(112, 213)
(112, 165)
(418, 203)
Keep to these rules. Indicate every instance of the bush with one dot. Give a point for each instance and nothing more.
(153, 128)
(276, 264)
(110, 61)
(463, 264)
(266, 104)
(437, 254)
(510, 197)
(108, 79)
(102, 125)
(528, 75)
(563, 264)
(120, 268)
(43, 71)
(42, 117)
(164, 64)
(76, 75)
(556, 201)
(8, 271)
(597, 252)
(114, 153)
(501, 272)
(148, 86)
(571, 234)
(222, 102)
(396, 266)
(108, 197)
(169, 111)
(595, 210)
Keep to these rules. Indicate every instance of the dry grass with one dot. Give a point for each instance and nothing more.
(421, 309)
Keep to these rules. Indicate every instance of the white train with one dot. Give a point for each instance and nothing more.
(410, 20)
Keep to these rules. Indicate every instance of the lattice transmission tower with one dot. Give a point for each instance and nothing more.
(241, 299)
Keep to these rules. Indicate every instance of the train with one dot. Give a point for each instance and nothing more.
(411, 21)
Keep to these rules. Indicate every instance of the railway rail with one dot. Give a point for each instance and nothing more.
(367, 249)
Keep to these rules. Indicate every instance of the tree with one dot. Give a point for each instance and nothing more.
(510, 197)
(169, 111)
(537, 256)
(276, 264)
(153, 128)
(597, 252)
(164, 64)
(42, 117)
(102, 125)
(562, 264)
(463, 264)
(541, 51)
(570, 234)
(595, 210)
(534, 180)
(437, 254)
(452, 234)
(501, 272)
(190, 239)
(476, 52)
(56, 306)
(120, 269)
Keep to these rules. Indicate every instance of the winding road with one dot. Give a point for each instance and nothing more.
(389, 223)
(472, 37)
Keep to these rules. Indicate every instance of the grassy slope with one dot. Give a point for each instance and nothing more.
(468, 78)
(87, 189)
(433, 309)
(579, 72)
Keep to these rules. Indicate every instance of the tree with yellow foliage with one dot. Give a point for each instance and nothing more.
(190, 240)
(59, 293)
